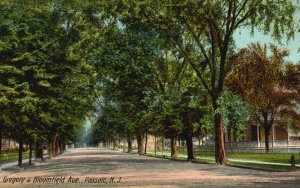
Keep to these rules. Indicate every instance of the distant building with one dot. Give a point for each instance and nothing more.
(9, 144)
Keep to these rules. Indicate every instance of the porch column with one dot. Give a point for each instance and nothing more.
(273, 136)
(258, 134)
(288, 137)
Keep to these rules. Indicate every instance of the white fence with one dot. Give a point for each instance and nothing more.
(292, 146)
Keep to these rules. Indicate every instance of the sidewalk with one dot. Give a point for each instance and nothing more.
(229, 159)
(15, 163)
(24, 161)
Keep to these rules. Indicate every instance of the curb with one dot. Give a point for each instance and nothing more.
(256, 168)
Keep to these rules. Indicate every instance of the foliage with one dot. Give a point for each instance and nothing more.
(44, 93)
(267, 83)
(202, 32)
(236, 112)
(147, 66)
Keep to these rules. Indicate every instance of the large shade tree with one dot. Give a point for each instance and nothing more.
(43, 90)
(168, 69)
(268, 83)
(202, 31)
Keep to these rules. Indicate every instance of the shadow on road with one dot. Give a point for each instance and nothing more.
(144, 171)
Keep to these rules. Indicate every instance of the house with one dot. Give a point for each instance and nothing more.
(280, 136)
(9, 144)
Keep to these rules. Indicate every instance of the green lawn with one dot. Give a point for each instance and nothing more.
(13, 156)
(265, 157)
(246, 156)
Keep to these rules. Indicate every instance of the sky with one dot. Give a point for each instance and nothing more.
(243, 38)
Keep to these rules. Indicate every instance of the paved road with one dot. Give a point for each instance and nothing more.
(95, 167)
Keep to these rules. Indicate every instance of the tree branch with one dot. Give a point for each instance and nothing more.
(199, 74)
(203, 51)
(179, 72)
(213, 55)
(241, 9)
(160, 84)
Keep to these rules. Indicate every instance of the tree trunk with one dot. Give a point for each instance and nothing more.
(36, 149)
(63, 147)
(1, 131)
(56, 145)
(30, 151)
(162, 143)
(140, 141)
(190, 148)
(267, 138)
(20, 152)
(146, 142)
(60, 147)
(51, 149)
(155, 145)
(39, 150)
(114, 144)
(173, 147)
(129, 149)
(220, 154)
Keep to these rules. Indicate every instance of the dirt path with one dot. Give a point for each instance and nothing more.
(94, 167)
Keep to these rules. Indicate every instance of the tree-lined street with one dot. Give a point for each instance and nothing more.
(148, 75)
